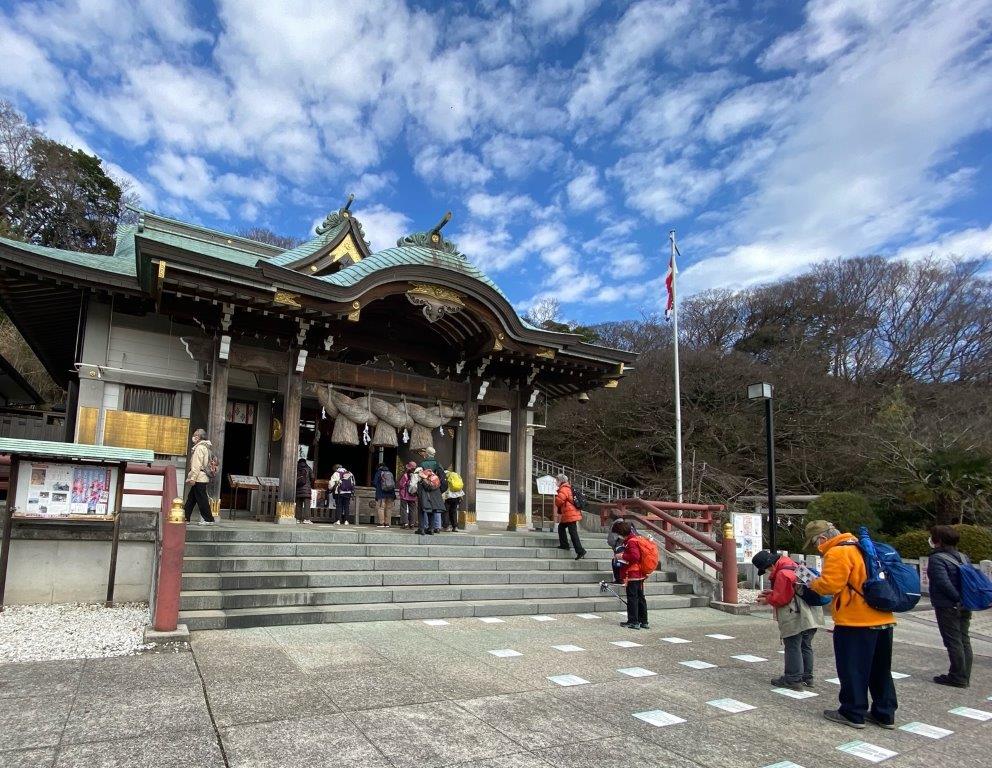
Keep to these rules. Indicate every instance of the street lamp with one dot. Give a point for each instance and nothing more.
(763, 391)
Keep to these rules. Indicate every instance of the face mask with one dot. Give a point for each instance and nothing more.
(930, 543)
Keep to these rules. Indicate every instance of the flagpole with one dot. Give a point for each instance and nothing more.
(678, 389)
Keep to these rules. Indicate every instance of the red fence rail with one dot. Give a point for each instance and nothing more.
(656, 516)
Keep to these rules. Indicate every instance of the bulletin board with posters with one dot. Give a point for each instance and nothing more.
(748, 535)
(50, 490)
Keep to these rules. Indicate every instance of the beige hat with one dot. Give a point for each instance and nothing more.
(430, 451)
(816, 528)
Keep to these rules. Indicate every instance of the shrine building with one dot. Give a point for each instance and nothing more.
(328, 351)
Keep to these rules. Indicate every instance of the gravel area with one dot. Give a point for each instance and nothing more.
(747, 596)
(71, 631)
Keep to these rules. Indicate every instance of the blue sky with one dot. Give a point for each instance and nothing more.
(567, 136)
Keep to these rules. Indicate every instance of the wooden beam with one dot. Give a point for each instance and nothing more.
(217, 415)
(518, 463)
(469, 439)
(292, 395)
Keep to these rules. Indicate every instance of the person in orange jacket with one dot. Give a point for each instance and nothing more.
(862, 635)
(629, 558)
(568, 517)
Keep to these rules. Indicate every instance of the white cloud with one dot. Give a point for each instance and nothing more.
(370, 184)
(520, 156)
(504, 206)
(490, 249)
(26, 69)
(585, 191)
(383, 226)
(455, 167)
(972, 243)
(190, 177)
(554, 18)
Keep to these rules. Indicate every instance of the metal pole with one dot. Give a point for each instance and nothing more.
(770, 457)
(678, 390)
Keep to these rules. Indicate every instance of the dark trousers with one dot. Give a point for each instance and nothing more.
(864, 664)
(197, 497)
(799, 657)
(573, 531)
(954, 624)
(303, 509)
(342, 507)
(451, 512)
(637, 605)
(616, 570)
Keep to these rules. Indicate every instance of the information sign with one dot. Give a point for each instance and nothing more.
(547, 485)
(747, 534)
(48, 490)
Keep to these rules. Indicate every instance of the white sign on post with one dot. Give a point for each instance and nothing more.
(547, 485)
(747, 534)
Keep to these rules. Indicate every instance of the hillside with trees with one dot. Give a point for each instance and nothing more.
(881, 371)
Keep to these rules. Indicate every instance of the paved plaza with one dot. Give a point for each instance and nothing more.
(480, 694)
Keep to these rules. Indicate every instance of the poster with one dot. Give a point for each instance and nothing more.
(54, 491)
(747, 534)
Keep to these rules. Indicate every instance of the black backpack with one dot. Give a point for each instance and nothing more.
(386, 481)
(578, 499)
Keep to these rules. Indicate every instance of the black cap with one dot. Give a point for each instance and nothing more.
(764, 560)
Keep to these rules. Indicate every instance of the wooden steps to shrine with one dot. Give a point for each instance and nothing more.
(268, 575)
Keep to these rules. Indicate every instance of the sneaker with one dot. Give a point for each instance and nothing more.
(875, 721)
(781, 682)
(308, 522)
(644, 625)
(347, 523)
(945, 680)
(809, 684)
(580, 556)
(630, 624)
(337, 522)
(419, 531)
(836, 717)
(428, 533)
(202, 522)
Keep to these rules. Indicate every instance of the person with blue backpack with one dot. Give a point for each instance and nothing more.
(862, 633)
(956, 589)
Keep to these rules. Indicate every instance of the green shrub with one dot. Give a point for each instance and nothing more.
(912, 544)
(976, 543)
(847, 511)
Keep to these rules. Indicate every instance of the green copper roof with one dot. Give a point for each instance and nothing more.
(71, 451)
(115, 264)
(405, 256)
(202, 240)
(309, 247)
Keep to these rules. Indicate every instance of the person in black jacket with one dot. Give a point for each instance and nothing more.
(943, 570)
(304, 484)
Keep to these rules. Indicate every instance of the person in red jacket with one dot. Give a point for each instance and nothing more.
(629, 558)
(797, 620)
(568, 517)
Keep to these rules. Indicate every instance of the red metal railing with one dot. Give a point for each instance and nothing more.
(655, 516)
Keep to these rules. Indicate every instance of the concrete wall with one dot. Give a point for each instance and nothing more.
(68, 564)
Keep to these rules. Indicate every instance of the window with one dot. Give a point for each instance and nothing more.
(494, 441)
(159, 402)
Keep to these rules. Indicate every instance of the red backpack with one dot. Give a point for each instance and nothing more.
(649, 555)
(430, 479)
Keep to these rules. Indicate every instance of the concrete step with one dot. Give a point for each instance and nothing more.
(193, 582)
(260, 617)
(320, 549)
(284, 564)
(317, 596)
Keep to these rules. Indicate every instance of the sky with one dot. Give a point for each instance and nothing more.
(567, 137)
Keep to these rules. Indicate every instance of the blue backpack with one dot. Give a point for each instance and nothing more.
(976, 588)
(891, 586)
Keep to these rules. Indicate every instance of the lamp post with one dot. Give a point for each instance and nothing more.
(763, 391)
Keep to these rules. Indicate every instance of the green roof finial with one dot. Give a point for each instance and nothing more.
(432, 239)
(335, 218)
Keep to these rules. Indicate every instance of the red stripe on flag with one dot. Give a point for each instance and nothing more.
(670, 286)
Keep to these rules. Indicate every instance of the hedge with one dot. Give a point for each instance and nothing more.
(976, 543)
(847, 511)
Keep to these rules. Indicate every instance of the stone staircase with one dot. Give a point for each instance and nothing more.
(251, 575)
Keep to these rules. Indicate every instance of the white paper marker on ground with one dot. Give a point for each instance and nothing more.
(784, 764)
(625, 644)
(868, 751)
(659, 718)
(505, 653)
(930, 731)
(834, 680)
(491, 620)
(749, 658)
(435, 622)
(730, 705)
(794, 694)
(899, 675)
(588, 616)
(721, 637)
(568, 680)
(675, 640)
(974, 714)
(543, 618)
(568, 648)
(697, 664)
(637, 672)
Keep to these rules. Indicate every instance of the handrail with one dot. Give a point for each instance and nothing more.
(594, 486)
(658, 509)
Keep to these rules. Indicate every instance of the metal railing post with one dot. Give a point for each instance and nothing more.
(728, 564)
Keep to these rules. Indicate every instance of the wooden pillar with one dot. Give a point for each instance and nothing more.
(469, 445)
(518, 462)
(292, 397)
(217, 419)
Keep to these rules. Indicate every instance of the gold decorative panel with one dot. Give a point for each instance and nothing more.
(86, 421)
(493, 465)
(346, 247)
(161, 434)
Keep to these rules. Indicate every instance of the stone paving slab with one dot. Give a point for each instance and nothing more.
(407, 693)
